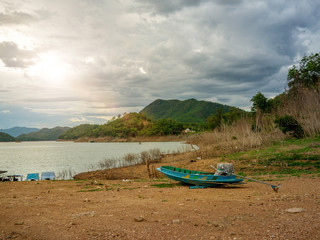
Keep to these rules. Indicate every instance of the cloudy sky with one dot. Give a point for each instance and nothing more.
(68, 62)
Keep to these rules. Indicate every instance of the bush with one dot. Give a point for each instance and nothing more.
(287, 124)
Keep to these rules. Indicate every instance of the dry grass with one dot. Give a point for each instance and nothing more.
(304, 106)
(230, 139)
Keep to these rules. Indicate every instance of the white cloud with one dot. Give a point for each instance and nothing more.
(79, 119)
(6, 112)
(15, 57)
(142, 70)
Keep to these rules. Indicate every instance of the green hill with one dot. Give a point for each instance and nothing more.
(4, 137)
(188, 111)
(45, 134)
(78, 131)
(128, 125)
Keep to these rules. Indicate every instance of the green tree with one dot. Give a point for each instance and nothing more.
(307, 74)
(166, 127)
(261, 102)
(215, 120)
(233, 115)
(261, 105)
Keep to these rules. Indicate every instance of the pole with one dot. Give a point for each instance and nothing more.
(274, 187)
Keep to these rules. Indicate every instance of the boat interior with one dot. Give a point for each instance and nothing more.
(181, 170)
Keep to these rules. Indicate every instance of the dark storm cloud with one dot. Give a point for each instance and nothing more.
(209, 48)
(12, 56)
(231, 47)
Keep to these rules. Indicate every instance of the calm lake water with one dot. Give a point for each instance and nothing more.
(36, 157)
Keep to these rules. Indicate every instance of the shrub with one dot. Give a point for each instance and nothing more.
(287, 124)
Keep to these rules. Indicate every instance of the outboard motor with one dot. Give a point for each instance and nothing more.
(224, 169)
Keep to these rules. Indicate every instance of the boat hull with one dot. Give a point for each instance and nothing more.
(198, 178)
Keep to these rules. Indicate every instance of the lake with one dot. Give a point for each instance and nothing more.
(61, 157)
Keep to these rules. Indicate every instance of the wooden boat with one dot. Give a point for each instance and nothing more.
(198, 178)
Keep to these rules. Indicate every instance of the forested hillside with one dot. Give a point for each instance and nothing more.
(4, 137)
(126, 126)
(188, 111)
(44, 134)
(78, 131)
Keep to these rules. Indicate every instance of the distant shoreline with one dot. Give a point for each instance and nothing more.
(170, 138)
(133, 139)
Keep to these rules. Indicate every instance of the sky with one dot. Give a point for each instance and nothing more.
(69, 62)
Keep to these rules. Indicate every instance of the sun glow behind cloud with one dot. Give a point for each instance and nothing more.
(52, 69)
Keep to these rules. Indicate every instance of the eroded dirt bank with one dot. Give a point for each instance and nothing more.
(107, 209)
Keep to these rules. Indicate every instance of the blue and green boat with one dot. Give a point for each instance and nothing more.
(224, 175)
(198, 178)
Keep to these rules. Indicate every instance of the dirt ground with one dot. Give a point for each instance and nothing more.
(136, 209)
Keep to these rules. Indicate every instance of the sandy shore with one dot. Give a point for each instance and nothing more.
(115, 209)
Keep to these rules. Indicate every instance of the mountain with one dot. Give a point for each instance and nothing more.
(16, 131)
(4, 137)
(45, 134)
(188, 111)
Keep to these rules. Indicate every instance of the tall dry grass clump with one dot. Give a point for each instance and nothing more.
(65, 174)
(234, 138)
(304, 105)
(153, 156)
